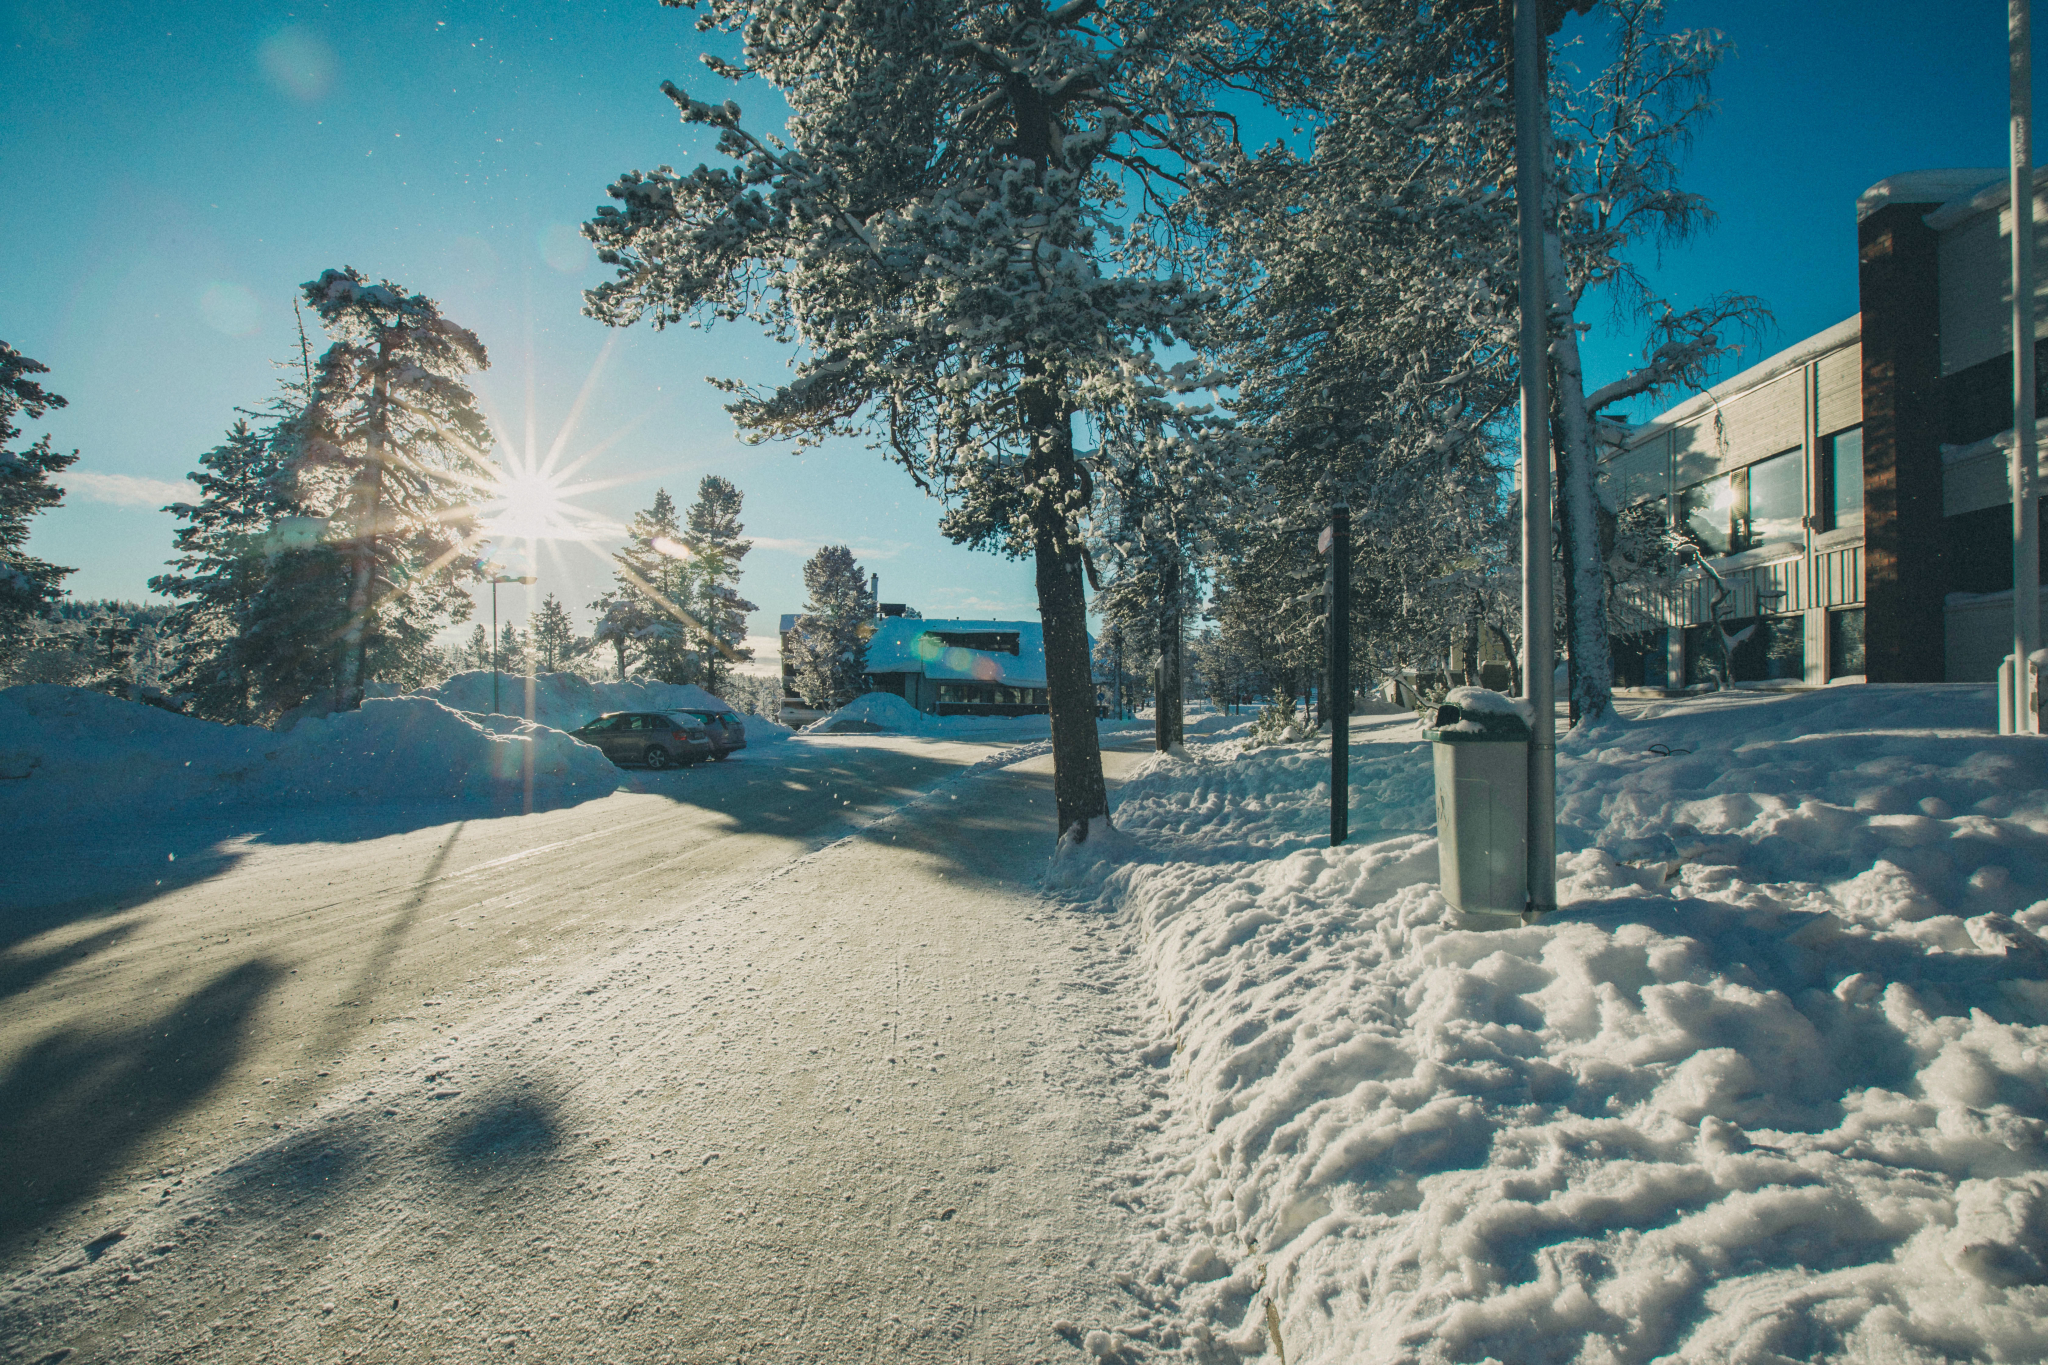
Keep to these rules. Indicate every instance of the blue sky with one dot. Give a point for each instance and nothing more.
(172, 171)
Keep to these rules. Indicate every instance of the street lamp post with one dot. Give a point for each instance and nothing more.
(496, 579)
(1539, 649)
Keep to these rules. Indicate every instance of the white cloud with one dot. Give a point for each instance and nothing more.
(796, 545)
(125, 490)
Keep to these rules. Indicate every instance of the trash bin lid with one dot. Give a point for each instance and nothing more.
(1474, 715)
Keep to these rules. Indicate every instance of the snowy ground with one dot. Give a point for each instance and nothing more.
(779, 1059)
(791, 1059)
(1772, 1088)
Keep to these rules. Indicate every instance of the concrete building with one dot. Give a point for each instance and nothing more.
(1850, 490)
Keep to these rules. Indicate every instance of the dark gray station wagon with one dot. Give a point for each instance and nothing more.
(727, 730)
(659, 739)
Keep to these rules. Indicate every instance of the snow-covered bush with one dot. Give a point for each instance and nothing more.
(1276, 724)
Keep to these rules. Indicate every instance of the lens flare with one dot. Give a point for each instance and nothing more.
(299, 63)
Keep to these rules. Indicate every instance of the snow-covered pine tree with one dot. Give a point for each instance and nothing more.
(651, 610)
(476, 654)
(1371, 322)
(392, 445)
(712, 533)
(959, 227)
(225, 553)
(513, 654)
(28, 586)
(621, 615)
(828, 649)
(554, 634)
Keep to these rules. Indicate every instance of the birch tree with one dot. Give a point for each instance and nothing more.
(1621, 130)
(956, 229)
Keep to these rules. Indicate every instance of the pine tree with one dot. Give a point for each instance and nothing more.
(712, 533)
(554, 634)
(621, 614)
(961, 230)
(477, 653)
(513, 655)
(259, 596)
(651, 608)
(392, 445)
(28, 586)
(828, 649)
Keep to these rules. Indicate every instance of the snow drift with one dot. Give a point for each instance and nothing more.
(73, 753)
(1772, 1087)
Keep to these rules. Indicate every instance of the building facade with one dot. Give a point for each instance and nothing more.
(1846, 499)
(960, 668)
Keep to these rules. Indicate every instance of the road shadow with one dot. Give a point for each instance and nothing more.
(19, 971)
(75, 1105)
(101, 874)
(509, 1134)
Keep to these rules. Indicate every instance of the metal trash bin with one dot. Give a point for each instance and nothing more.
(1481, 748)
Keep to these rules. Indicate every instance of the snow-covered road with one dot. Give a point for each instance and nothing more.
(691, 1072)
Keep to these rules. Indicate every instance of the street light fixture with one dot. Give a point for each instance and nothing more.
(496, 579)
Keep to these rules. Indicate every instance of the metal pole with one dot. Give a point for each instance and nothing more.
(1337, 686)
(494, 647)
(1119, 689)
(1539, 648)
(2026, 527)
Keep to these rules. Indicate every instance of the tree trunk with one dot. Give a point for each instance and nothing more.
(1592, 663)
(1167, 729)
(369, 500)
(1079, 793)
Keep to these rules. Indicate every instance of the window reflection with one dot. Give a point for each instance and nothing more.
(1777, 501)
(1842, 473)
(1744, 509)
(1706, 514)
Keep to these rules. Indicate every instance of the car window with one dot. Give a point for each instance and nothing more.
(602, 723)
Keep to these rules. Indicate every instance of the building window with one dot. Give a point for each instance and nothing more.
(1841, 478)
(1706, 514)
(1777, 501)
(1639, 660)
(1773, 651)
(1845, 643)
(1747, 509)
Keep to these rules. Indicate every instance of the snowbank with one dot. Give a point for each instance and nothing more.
(564, 701)
(1773, 1086)
(75, 754)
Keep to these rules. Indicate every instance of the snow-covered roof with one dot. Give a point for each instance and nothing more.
(906, 645)
(1924, 187)
(1844, 333)
(1983, 199)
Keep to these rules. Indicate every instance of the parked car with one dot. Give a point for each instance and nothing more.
(656, 738)
(728, 729)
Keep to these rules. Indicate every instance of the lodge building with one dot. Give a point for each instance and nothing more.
(1851, 490)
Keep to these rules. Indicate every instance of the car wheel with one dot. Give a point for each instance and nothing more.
(657, 757)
